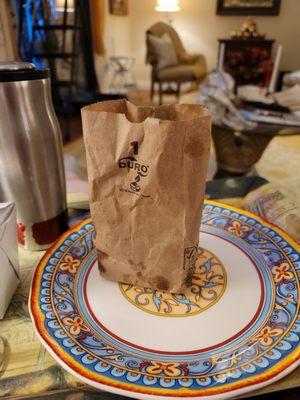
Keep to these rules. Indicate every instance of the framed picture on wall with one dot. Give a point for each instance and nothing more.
(118, 7)
(248, 7)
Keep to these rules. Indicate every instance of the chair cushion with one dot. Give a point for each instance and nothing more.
(163, 49)
(159, 29)
(177, 73)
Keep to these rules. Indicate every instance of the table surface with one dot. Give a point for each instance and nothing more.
(28, 370)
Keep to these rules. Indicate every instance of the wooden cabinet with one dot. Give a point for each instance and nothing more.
(248, 60)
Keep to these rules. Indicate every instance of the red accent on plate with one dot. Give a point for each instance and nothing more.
(21, 235)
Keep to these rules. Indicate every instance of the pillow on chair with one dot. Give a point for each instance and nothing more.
(164, 50)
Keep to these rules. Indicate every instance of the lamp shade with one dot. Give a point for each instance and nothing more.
(167, 6)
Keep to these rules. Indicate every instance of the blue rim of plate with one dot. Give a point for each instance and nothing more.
(130, 375)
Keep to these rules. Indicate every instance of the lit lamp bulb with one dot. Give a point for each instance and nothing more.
(167, 7)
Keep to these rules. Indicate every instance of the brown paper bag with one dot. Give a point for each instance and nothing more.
(147, 168)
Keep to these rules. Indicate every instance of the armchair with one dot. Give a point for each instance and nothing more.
(190, 67)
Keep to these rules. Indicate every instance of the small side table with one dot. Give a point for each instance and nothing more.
(238, 151)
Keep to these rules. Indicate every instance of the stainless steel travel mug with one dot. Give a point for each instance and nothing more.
(31, 161)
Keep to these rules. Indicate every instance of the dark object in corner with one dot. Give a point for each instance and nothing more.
(232, 187)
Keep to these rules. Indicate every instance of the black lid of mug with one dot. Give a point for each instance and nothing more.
(11, 71)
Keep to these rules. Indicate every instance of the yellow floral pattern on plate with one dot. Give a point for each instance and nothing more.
(207, 287)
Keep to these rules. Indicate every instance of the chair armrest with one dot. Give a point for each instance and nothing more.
(193, 58)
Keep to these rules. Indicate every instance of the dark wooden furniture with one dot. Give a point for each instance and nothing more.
(248, 60)
(63, 44)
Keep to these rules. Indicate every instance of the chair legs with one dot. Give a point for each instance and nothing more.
(152, 90)
(160, 93)
(178, 91)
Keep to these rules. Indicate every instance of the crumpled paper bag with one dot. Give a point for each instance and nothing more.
(146, 169)
(8, 255)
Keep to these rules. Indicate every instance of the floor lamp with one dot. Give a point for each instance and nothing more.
(168, 7)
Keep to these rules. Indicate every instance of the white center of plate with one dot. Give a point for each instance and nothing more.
(212, 328)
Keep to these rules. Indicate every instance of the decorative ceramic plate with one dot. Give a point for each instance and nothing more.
(236, 329)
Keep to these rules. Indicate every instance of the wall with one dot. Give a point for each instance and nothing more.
(7, 40)
(200, 28)
(117, 41)
(117, 34)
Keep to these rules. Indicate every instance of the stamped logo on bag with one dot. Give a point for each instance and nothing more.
(140, 170)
